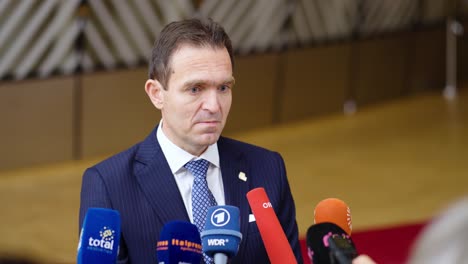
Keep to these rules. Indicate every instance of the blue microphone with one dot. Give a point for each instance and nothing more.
(99, 237)
(222, 236)
(179, 242)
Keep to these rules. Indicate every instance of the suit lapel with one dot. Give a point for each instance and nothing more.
(157, 181)
(159, 186)
(235, 189)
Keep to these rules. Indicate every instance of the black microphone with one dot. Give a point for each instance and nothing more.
(328, 243)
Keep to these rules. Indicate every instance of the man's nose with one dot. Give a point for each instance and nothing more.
(211, 101)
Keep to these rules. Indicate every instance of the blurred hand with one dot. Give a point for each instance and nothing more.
(363, 259)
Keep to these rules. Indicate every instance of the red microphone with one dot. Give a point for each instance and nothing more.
(276, 244)
(333, 210)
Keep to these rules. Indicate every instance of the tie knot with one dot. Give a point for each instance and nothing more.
(198, 167)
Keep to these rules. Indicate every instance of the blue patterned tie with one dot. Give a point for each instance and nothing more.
(202, 198)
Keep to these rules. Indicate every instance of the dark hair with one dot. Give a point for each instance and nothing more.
(194, 32)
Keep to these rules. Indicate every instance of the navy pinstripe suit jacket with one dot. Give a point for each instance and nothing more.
(140, 185)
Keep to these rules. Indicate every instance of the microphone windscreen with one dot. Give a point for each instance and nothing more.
(222, 231)
(319, 248)
(276, 244)
(335, 211)
(100, 237)
(179, 242)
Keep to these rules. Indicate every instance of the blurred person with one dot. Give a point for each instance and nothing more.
(191, 82)
(445, 239)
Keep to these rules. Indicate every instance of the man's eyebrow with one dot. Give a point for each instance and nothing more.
(200, 82)
(232, 80)
(193, 83)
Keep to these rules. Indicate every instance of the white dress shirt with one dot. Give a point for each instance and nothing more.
(177, 158)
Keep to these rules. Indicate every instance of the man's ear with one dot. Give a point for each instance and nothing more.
(154, 90)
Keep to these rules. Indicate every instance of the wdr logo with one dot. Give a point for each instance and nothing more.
(106, 243)
(220, 217)
(218, 242)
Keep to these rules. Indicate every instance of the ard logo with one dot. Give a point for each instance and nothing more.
(220, 217)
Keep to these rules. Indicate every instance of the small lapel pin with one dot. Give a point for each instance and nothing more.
(242, 176)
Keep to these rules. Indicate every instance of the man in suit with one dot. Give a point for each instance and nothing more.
(190, 82)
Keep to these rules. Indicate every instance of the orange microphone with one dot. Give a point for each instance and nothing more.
(333, 210)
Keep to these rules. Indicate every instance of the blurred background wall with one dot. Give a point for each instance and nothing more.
(72, 72)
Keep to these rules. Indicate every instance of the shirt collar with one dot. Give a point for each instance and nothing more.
(177, 157)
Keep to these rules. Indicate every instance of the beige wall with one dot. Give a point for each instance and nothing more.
(462, 55)
(38, 117)
(427, 68)
(316, 81)
(254, 92)
(381, 68)
(36, 122)
(116, 111)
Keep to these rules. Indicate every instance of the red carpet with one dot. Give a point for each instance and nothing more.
(385, 245)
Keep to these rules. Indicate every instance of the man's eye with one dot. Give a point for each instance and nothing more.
(223, 88)
(194, 89)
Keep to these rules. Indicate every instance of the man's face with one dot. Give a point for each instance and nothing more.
(197, 99)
